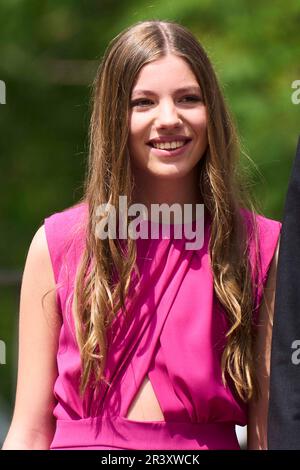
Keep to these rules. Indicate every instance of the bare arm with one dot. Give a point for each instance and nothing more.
(258, 410)
(33, 425)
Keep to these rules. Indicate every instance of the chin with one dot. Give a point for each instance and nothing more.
(170, 172)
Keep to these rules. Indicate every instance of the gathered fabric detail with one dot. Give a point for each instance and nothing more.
(121, 433)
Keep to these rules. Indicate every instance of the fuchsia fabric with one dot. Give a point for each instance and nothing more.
(175, 335)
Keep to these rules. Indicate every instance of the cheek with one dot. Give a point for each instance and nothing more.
(198, 120)
(136, 136)
(200, 125)
(135, 124)
(139, 125)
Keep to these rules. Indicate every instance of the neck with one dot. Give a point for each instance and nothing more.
(169, 191)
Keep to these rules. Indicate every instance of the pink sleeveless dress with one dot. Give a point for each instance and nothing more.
(175, 336)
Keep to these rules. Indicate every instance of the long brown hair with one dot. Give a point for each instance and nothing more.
(96, 300)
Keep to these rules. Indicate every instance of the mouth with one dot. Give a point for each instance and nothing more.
(167, 149)
(169, 145)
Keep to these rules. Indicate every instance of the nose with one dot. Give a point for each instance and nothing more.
(167, 115)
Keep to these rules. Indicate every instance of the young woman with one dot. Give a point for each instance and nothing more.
(143, 343)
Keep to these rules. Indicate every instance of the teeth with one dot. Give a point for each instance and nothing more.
(169, 145)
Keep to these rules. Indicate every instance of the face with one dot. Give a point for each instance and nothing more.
(167, 122)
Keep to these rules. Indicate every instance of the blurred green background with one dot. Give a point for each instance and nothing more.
(49, 52)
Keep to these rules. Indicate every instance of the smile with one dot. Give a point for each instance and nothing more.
(169, 148)
(168, 145)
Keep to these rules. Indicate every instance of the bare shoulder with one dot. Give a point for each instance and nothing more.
(39, 326)
(38, 251)
(38, 281)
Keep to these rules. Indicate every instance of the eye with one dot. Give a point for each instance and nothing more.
(142, 102)
(191, 98)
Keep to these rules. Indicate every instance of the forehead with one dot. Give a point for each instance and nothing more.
(169, 72)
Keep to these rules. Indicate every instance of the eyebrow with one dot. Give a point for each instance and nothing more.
(188, 89)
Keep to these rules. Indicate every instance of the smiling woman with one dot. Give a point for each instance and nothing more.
(145, 344)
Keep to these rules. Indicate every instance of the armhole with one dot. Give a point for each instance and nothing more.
(268, 239)
(65, 235)
(50, 233)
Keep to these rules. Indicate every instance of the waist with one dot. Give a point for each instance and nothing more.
(121, 433)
